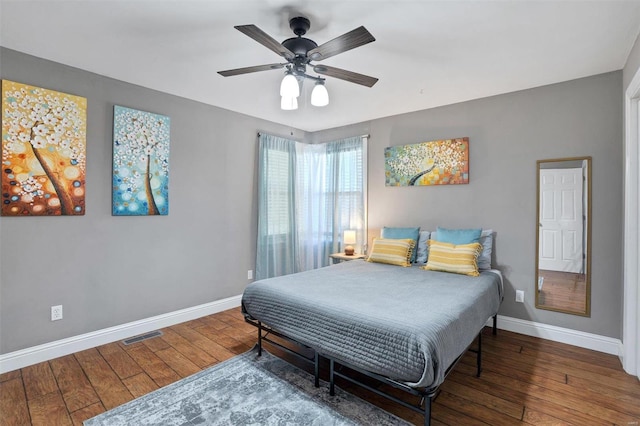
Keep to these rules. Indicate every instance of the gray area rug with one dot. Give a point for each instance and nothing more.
(247, 390)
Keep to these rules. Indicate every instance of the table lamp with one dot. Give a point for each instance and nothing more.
(349, 238)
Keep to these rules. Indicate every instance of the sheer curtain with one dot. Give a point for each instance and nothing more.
(276, 248)
(308, 195)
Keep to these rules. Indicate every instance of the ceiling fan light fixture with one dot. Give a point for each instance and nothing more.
(319, 95)
(289, 87)
(288, 103)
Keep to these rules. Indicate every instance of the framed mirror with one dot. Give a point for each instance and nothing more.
(563, 236)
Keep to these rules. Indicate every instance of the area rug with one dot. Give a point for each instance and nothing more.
(247, 390)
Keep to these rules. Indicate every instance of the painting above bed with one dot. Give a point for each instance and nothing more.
(441, 162)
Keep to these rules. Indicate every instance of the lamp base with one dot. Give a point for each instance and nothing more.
(348, 250)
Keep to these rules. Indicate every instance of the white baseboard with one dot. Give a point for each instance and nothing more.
(581, 339)
(33, 355)
(29, 356)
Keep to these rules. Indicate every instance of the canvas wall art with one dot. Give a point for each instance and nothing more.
(140, 163)
(443, 162)
(43, 151)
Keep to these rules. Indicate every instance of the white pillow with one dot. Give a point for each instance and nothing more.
(423, 247)
(486, 239)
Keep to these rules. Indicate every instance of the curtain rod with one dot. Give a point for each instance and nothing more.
(362, 136)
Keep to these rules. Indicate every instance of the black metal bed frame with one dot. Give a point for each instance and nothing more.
(426, 395)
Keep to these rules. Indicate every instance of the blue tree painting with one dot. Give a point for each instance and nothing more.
(140, 163)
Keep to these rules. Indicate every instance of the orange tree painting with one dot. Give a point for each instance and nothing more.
(43, 151)
(140, 163)
(443, 162)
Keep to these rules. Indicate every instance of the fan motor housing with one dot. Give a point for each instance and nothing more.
(299, 45)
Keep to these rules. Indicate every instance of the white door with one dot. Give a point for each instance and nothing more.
(561, 220)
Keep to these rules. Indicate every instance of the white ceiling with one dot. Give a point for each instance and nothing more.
(426, 53)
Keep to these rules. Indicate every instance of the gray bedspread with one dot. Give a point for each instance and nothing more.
(407, 324)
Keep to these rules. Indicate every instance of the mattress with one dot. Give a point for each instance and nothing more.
(406, 324)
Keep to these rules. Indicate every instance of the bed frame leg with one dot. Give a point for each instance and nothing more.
(332, 389)
(479, 355)
(495, 324)
(427, 411)
(316, 369)
(259, 338)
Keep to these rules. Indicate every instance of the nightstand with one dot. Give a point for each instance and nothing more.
(341, 257)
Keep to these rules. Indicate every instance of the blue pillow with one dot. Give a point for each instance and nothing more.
(402, 233)
(457, 236)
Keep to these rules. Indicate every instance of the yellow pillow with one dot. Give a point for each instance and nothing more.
(459, 259)
(394, 252)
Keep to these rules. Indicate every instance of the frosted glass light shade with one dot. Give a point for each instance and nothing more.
(319, 95)
(288, 104)
(289, 87)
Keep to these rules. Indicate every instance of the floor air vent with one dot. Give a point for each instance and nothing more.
(142, 337)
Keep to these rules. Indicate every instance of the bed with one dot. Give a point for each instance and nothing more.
(404, 326)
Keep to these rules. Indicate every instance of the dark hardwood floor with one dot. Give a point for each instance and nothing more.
(525, 380)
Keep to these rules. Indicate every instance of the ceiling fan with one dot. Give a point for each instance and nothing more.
(300, 51)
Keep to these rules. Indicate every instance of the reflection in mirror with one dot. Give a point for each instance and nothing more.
(563, 237)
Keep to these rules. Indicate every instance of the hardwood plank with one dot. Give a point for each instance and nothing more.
(537, 418)
(103, 379)
(13, 403)
(586, 407)
(178, 362)
(474, 410)
(15, 374)
(76, 390)
(78, 417)
(156, 344)
(448, 416)
(210, 345)
(182, 345)
(606, 376)
(465, 375)
(49, 409)
(38, 380)
(155, 368)
(140, 384)
(213, 322)
(119, 360)
(509, 408)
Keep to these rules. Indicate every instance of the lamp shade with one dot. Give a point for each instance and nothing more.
(288, 104)
(349, 237)
(289, 87)
(319, 95)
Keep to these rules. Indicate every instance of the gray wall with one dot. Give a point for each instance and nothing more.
(109, 270)
(507, 134)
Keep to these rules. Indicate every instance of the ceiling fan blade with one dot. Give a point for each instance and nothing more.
(350, 76)
(265, 39)
(347, 41)
(247, 70)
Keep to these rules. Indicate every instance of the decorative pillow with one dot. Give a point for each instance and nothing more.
(459, 259)
(402, 233)
(391, 251)
(457, 236)
(486, 240)
(422, 250)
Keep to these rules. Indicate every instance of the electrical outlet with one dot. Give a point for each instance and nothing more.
(250, 274)
(56, 313)
(520, 296)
